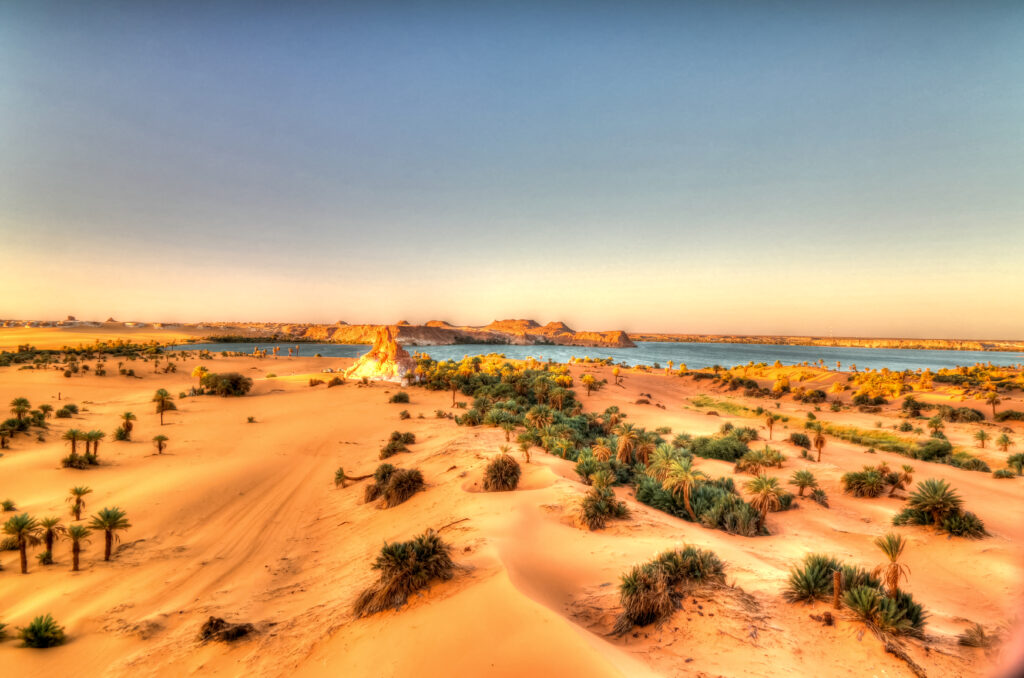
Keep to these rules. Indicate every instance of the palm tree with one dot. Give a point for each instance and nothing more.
(936, 498)
(161, 443)
(588, 382)
(628, 438)
(981, 436)
(935, 424)
(611, 418)
(1004, 442)
(77, 497)
(508, 427)
(128, 418)
(803, 479)
(46, 409)
(52, 529)
(25, 531)
(767, 496)
(94, 437)
(819, 443)
(73, 435)
(769, 421)
(891, 572)
(539, 416)
(615, 373)
(646, 443)
(20, 407)
(111, 521)
(164, 403)
(601, 449)
(77, 535)
(993, 399)
(661, 460)
(681, 478)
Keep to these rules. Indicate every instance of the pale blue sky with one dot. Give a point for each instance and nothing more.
(708, 167)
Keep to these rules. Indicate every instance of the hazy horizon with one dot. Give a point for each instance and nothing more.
(728, 168)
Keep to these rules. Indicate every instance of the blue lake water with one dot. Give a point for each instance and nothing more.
(695, 355)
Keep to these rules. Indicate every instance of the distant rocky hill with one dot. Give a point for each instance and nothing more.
(853, 342)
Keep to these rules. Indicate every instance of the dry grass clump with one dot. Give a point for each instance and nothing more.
(394, 485)
(405, 568)
(651, 592)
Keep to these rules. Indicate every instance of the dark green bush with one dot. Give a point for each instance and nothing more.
(400, 397)
(42, 632)
(800, 440)
(226, 384)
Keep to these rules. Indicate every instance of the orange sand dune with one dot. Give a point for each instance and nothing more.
(242, 520)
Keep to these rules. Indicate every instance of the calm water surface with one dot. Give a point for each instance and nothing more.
(693, 355)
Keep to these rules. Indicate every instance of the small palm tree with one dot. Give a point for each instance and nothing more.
(769, 420)
(936, 424)
(681, 479)
(1004, 442)
(164, 403)
(803, 479)
(73, 436)
(767, 496)
(127, 418)
(76, 496)
(161, 443)
(819, 442)
(199, 372)
(77, 535)
(661, 460)
(892, 571)
(903, 478)
(47, 410)
(25, 530)
(981, 436)
(111, 521)
(20, 407)
(94, 438)
(51, 529)
(588, 382)
(993, 399)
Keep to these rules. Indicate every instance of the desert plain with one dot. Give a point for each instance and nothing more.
(240, 518)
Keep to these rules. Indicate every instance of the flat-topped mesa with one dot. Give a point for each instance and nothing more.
(385, 361)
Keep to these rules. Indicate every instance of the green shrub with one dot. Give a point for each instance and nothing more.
(401, 485)
(501, 474)
(42, 632)
(405, 568)
(8, 505)
(1009, 415)
(120, 433)
(63, 413)
(818, 495)
(800, 440)
(867, 483)
(226, 384)
(400, 397)
(404, 414)
(1004, 473)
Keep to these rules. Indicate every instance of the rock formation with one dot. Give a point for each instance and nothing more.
(386, 359)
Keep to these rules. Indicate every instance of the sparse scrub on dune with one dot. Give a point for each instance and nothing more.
(756, 461)
(502, 474)
(341, 479)
(405, 568)
(397, 443)
(335, 381)
(400, 397)
(933, 449)
(976, 636)
(393, 485)
(651, 592)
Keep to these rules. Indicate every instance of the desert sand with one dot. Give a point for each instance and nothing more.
(243, 521)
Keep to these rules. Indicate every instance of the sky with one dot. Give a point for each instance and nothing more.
(854, 169)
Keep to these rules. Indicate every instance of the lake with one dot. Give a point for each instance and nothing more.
(695, 355)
